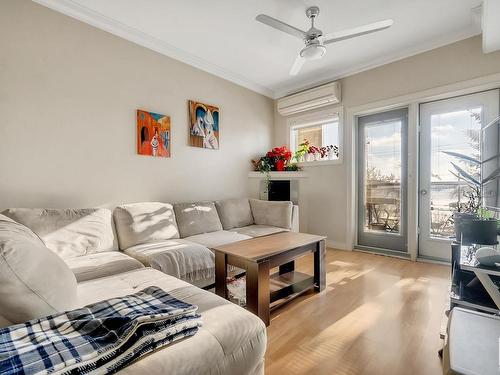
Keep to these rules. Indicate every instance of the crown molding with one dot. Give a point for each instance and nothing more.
(96, 19)
(100, 21)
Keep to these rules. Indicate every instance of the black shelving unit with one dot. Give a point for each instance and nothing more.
(466, 290)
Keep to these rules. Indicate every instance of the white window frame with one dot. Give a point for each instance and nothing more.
(319, 117)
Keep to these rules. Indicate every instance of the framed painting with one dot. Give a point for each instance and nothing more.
(154, 136)
(203, 125)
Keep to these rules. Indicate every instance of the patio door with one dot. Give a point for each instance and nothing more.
(449, 128)
(382, 180)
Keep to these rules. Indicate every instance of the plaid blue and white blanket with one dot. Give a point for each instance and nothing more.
(100, 338)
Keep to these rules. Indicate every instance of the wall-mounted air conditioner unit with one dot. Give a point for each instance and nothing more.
(310, 99)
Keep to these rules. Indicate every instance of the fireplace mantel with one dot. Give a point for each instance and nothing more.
(279, 175)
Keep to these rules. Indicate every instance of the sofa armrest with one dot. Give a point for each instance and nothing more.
(273, 213)
(295, 219)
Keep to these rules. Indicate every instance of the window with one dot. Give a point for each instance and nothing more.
(320, 130)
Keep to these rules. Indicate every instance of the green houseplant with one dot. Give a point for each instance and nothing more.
(474, 224)
(264, 165)
(302, 151)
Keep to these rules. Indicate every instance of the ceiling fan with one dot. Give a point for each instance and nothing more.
(313, 38)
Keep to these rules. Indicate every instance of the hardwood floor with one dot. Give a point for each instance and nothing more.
(378, 315)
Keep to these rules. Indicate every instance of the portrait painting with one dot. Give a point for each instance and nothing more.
(153, 134)
(203, 125)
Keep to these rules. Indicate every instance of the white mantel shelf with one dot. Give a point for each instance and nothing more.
(279, 175)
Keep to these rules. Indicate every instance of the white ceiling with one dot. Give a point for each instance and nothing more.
(223, 38)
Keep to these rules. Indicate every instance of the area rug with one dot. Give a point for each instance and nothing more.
(237, 290)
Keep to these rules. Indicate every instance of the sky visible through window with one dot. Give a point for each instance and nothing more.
(383, 148)
(452, 131)
(455, 131)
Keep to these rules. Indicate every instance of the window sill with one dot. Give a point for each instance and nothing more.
(318, 163)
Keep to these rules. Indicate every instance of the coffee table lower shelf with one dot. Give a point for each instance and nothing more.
(287, 286)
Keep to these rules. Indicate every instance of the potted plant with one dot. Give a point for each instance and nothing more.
(302, 151)
(466, 211)
(462, 220)
(310, 154)
(313, 153)
(323, 152)
(280, 156)
(264, 165)
(333, 152)
(481, 230)
(474, 224)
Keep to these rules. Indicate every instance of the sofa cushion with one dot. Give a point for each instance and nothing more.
(196, 218)
(234, 213)
(258, 230)
(69, 232)
(277, 214)
(180, 258)
(138, 223)
(218, 238)
(93, 266)
(8, 219)
(231, 340)
(34, 282)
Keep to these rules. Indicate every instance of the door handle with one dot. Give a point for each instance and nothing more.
(423, 192)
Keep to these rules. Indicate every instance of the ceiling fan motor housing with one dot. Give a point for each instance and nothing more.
(313, 33)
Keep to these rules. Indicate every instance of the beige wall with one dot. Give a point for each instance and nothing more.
(324, 193)
(68, 96)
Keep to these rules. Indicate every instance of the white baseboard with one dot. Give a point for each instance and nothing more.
(336, 245)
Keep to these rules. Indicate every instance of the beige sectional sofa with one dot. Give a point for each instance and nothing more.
(153, 237)
(175, 239)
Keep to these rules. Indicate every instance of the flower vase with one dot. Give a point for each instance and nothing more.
(310, 157)
(317, 157)
(332, 155)
(280, 165)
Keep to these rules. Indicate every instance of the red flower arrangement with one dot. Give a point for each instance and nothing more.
(280, 156)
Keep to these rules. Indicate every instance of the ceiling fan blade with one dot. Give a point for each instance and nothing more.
(357, 31)
(297, 65)
(277, 24)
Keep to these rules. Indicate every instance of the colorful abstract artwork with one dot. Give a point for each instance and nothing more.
(153, 134)
(203, 125)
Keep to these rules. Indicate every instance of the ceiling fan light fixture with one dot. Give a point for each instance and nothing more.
(313, 51)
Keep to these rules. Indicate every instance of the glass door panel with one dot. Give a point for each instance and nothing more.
(382, 170)
(449, 130)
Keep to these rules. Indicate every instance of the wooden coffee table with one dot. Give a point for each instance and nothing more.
(257, 256)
